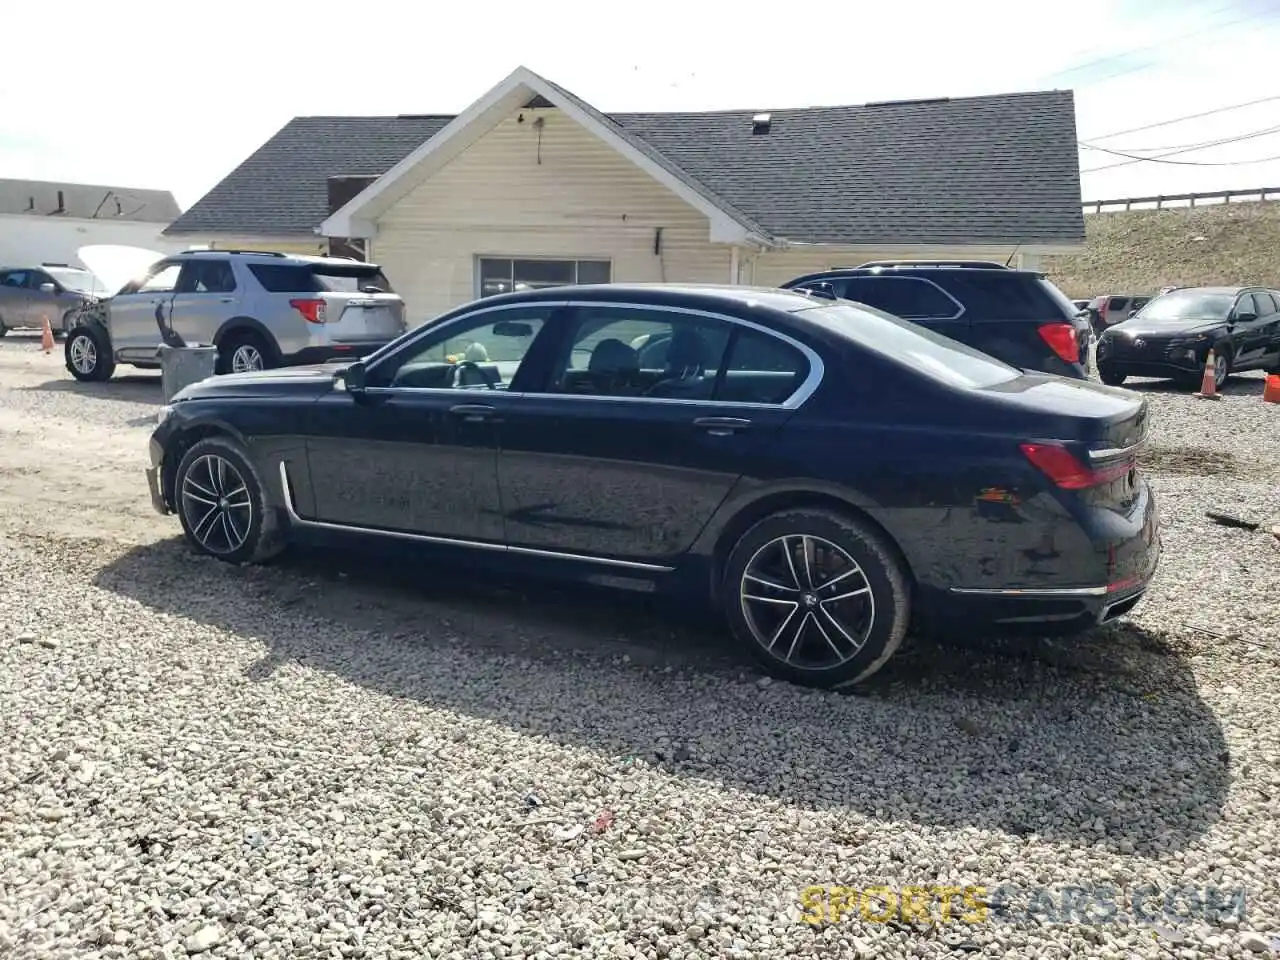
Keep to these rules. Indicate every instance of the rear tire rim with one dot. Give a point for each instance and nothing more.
(216, 504)
(84, 354)
(246, 357)
(807, 602)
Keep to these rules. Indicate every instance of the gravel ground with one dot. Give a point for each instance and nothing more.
(310, 761)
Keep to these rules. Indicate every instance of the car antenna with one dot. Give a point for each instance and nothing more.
(1016, 248)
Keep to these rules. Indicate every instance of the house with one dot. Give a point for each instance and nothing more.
(532, 185)
(47, 222)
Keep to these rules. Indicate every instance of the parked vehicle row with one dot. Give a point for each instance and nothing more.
(259, 309)
(823, 473)
(52, 291)
(1173, 335)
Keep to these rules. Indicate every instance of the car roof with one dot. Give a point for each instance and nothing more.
(691, 295)
(267, 256)
(927, 269)
(1216, 289)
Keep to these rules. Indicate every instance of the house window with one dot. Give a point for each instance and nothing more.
(503, 275)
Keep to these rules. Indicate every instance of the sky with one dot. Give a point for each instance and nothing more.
(173, 96)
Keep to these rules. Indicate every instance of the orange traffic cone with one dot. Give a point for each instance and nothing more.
(46, 337)
(1209, 383)
(1271, 392)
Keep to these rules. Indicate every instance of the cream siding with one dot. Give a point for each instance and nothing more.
(527, 191)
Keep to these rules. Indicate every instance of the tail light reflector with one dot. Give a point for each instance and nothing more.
(312, 310)
(1064, 469)
(1062, 340)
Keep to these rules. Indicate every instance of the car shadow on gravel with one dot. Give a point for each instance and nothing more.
(1102, 741)
(137, 388)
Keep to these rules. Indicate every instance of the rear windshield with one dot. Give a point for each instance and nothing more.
(996, 295)
(919, 348)
(320, 278)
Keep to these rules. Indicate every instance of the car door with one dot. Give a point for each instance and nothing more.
(15, 299)
(204, 299)
(1262, 332)
(1248, 322)
(641, 427)
(416, 450)
(138, 310)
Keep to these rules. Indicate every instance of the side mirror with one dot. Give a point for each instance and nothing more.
(48, 288)
(821, 289)
(353, 377)
(1245, 317)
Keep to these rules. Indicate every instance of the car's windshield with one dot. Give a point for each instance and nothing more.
(1182, 305)
(922, 349)
(79, 281)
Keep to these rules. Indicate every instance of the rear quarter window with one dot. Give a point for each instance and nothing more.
(994, 295)
(305, 278)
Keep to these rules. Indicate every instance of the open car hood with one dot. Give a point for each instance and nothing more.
(116, 264)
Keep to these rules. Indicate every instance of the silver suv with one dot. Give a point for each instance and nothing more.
(57, 291)
(259, 309)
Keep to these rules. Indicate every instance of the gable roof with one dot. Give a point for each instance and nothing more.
(999, 169)
(86, 201)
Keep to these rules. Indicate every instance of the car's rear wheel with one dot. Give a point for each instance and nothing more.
(3, 328)
(88, 354)
(1221, 367)
(1111, 376)
(817, 597)
(243, 352)
(221, 503)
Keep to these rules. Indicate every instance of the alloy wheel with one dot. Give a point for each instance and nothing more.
(246, 357)
(807, 602)
(1219, 371)
(84, 354)
(217, 505)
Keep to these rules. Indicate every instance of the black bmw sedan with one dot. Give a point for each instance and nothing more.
(825, 474)
(1172, 335)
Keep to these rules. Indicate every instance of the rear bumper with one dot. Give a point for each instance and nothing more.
(340, 351)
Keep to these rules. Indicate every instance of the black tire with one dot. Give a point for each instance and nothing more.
(889, 597)
(1221, 366)
(87, 353)
(245, 340)
(1111, 376)
(199, 475)
(3, 328)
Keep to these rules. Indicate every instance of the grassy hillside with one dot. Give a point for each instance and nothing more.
(1140, 251)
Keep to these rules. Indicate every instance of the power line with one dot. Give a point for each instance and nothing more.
(1195, 34)
(1176, 149)
(1131, 158)
(1190, 116)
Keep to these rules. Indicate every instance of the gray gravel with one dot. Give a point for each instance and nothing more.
(307, 760)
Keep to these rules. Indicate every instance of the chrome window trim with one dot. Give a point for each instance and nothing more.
(960, 307)
(286, 497)
(797, 398)
(1031, 592)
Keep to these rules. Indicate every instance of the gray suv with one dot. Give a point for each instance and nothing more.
(259, 309)
(54, 290)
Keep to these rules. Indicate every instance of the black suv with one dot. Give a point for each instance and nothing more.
(1017, 316)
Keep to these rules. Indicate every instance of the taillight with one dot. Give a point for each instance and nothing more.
(1062, 340)
(1061, 466)
(312, 310)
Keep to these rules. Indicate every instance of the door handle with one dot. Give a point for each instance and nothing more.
(227, 300)
(475, 412)
(722, 426)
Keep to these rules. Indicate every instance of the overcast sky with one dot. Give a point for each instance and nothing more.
(169, 95)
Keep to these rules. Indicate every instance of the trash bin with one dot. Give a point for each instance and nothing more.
(183, 366)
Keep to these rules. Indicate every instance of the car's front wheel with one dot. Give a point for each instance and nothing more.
(87, 352)
(817, 597)
(222, 505)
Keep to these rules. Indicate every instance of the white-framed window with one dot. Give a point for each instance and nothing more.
(495, 275)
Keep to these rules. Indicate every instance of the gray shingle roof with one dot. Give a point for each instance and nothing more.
(282, 188)
(996, 169)
(39, 198)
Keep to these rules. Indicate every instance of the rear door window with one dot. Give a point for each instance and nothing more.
(908, 297)
(1266, 305)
